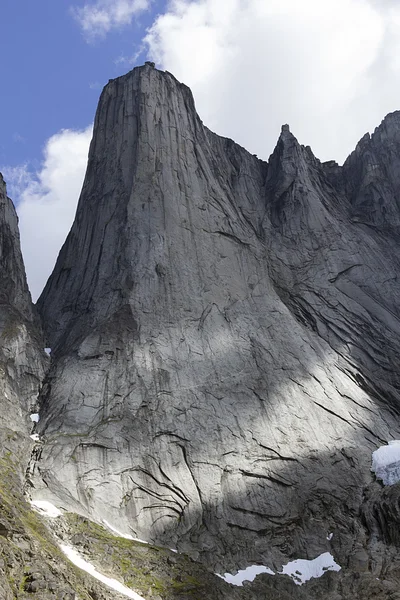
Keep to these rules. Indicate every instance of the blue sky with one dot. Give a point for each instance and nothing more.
(52, 76)
(329, 68)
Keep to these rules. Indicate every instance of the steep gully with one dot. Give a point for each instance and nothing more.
(225, 348)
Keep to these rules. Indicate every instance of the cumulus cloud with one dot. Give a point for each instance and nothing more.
(46, 201)
(98, 18)
(330, 69)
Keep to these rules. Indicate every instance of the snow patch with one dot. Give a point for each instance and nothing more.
(119, 534)
(48, 351)
(248, 574)
(46, 508)
(386, 463)
(303, 570)
(75, 558)
(300, 570)
(329, 536)
(35, 417)
(123, 535)
(35, 437)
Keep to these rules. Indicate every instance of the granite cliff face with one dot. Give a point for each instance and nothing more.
(22, 359)
(225, 338)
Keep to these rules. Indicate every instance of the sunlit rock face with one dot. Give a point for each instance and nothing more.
(224, 335)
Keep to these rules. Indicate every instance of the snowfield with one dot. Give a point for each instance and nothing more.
(303, 570)
(299, 570)
(248, 574)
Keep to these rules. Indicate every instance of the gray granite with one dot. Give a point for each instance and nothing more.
(225, 336)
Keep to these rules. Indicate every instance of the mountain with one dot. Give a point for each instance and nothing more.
(225, 341)
(225, 336)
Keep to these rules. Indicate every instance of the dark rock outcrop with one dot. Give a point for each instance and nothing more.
(225, 336)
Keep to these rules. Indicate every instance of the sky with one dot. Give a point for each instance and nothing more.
(331, 69)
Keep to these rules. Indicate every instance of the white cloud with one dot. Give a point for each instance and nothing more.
(330, 69)
(98, 18)
(46, 201)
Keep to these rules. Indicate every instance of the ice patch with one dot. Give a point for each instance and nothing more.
(35, 417)
(111, 583)
(35, 437)
(48, 351)
(248, 574)
(46, 508)
(303, 570)
(386, 463)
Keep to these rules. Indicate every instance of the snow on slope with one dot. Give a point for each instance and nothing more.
(248, 574)
(300, 570)
(303, 570)
(47, 509)
(386, 463)
(74, 557)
